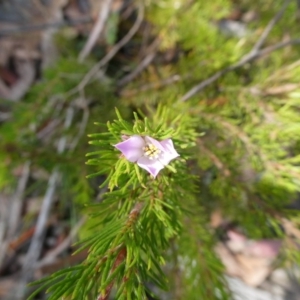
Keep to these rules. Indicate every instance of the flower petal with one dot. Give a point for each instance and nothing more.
(132, 148)
(169, 151)
(152, 166)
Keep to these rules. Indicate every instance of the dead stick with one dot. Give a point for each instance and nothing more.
(53, 254)
(38, 237)
(16, 202)
(142, 65)
(115, 49)
(270, 26)
(30, 28)
(253, 54)
(196, 89)
(97, 30)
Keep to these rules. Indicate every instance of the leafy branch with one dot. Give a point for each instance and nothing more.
(136, 220)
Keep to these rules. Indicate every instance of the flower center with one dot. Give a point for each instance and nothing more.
(151, 151)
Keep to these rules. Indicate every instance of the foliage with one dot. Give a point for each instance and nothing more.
(136, 219)
(239, 145)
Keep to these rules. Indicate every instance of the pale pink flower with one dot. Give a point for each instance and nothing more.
(148, 153)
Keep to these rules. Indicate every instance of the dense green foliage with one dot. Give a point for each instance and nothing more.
(238, 140)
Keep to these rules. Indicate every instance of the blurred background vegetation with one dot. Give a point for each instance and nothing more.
(233, 66)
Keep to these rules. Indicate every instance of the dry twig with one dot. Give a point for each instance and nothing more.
(97, 30)
(216, 161)
(37, 240)
(115, 49)
(16, 201)
(81, 131)
(196, 89)
(37, 27)
(270, 26)
(252, 55)
(53, 254)
(142, 65)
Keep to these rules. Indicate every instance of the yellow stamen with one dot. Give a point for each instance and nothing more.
(151, 151)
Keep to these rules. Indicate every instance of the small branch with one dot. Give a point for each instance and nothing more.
(155, 85)
(38, 237)
(251, 148)
(196, 89)
(82, 128)
(48, 129)
(270, 26)
(139, 69)
(278, 46)
(52, 255)
(142, 65)
(132, 217)
(119, 259)
(115, 49)
(25, 28)
(252, 55)
(63, 140)
(216, 161)
(16, 201)
(97, 30)
(152, 49)
(37, 240)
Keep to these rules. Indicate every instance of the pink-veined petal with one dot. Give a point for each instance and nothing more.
(152, 166)
(132, 148)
